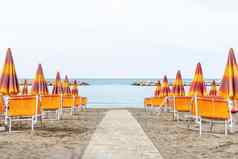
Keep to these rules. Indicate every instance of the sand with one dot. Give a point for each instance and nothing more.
(175, 140)
(66, 138)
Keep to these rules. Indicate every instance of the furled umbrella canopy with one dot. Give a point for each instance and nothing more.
(66, 88)
(178, 85)
(57, 86)
(39, 84)
(157, 89)
(229, 85)
(9, 84)
(165, 90)
(213, 89)
(25, 88)
(74, 89)
(198, 87)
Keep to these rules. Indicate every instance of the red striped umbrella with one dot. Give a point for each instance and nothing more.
(39, 84)
(165, 90)
(198, 87)
(178, 85)
(57, 86)
(25, 88)
(9, 84)
(74, 89)
(66, 88)
(158, 88)
(229, 85)
(213, 89)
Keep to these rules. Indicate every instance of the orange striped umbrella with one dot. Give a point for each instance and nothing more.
(57, 87)
(213, 89)
(25, 88)
(165, 90)
(178, 86)
(9, 84)
(229, 85)
(74, 89)
(198, 87)
(66, 88)
(39, 84)
(158, 88)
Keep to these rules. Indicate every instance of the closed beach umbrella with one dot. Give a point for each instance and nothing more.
(178, 86)
(25, 88)
(157, 89)
(66, 88)
(213, 89)
(9, 84)
(198, 87)
(39, 84)
(57, 86)
(165, 90)
(74, 89)
(229, 85)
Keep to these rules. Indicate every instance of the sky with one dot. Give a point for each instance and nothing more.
(118, 38)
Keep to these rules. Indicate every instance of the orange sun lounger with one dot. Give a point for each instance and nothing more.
(155, 102)
(23, 108)
(68, 102)
(78, 101)
(84, 101)
(181, 104)
(147, 103)
(51, 103)
(213, 109)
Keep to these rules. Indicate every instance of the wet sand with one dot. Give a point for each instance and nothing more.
(175, 140)
(53, 139)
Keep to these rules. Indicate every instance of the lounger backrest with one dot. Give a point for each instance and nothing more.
(214, 108)
(77, 101)
(147, 101)
(68, 101)
(2, 105)
(159, 101)
(23, 106)
(183, 104)
(51, 102)
(84, 100)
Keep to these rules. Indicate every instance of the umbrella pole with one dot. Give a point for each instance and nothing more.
(5, 99)
(231, 106)
(196, 108)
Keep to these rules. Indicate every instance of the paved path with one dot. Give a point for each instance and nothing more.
(119, 136)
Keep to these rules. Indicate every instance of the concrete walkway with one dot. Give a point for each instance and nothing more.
(119, 136)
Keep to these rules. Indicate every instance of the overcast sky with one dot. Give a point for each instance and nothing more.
(119, 38)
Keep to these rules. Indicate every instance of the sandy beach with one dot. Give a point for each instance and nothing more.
(54, 140)
(174, 140)
(68, 138)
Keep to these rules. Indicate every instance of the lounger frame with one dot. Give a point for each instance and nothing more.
(30, 115)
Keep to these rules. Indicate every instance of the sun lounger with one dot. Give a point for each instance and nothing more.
(68, 103)
(213, 109)
(84, 101)
(159, 103)
(23, 108)
(147, 103)
(51, 103)
(181, 104)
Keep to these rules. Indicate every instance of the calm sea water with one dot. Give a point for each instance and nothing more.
(116, 93)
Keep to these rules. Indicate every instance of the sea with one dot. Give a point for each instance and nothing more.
(118, 93)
